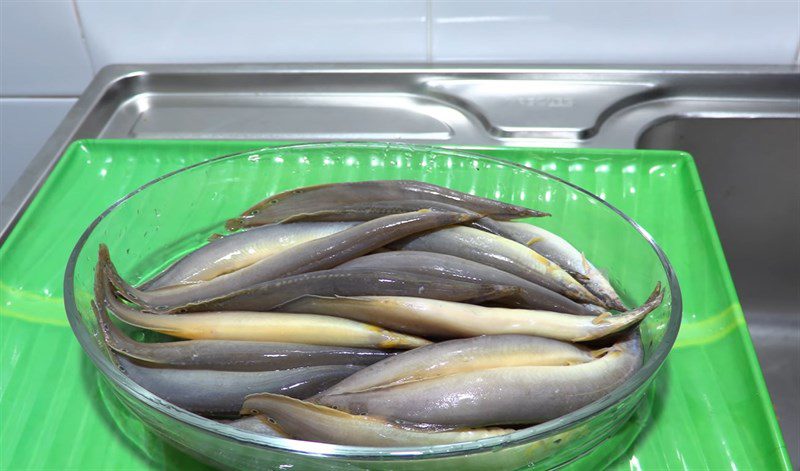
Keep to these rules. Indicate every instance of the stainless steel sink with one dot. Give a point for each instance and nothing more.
(742, 125)
(751, 170)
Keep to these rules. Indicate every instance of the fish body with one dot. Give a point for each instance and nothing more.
(236, 251)
(449, 267)
(445, 319)
(498, 396)
(222, 393)
(356, 282)
(558, 250)
(312, 422)
(366, 210)
(263, 327)
(312, 199)
(458, 356)
(501, 253)
(318, 254)
(231, 355)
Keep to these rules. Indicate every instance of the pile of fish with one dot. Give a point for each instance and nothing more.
(380, 313)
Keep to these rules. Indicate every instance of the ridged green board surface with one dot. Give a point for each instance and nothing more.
(710, 409)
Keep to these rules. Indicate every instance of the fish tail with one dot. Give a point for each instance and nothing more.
(113, 336)
(637, 315)
(99, 304)
(615, 303)
(532, 213)
(612, 324)
(112, 275)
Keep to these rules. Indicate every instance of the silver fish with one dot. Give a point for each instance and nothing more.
(445, 319)
(231, 355)
(316, 198)
(497, 396)
(449, 267)
(222, 393)
(458, 356)
(356, 282)
(236, 251)
(263, 327)
(501, 253)
(558, 250)
(366, 210)
(307, 421)
(318, 254)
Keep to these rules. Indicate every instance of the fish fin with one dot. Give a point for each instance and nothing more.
(183, 283)
(585, 262)
(104, 323)
(234, 224)
(534, 240)
(306, 216)
(600, 352)
(602, 318)
(580, 277)
(339, 296)
(420, 427)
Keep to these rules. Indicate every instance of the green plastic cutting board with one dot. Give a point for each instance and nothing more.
(710, 409)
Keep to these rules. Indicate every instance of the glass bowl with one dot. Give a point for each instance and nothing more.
(172, 215)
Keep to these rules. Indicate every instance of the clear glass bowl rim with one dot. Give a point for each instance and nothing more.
(530, 434)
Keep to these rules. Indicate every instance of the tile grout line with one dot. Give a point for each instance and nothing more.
(429, 31)
(797, 53)
(83, 35)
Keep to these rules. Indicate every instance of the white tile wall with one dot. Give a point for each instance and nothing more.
(41, 50)
(275, 31)
(52, 48)
(638, 32)
(25, 124)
